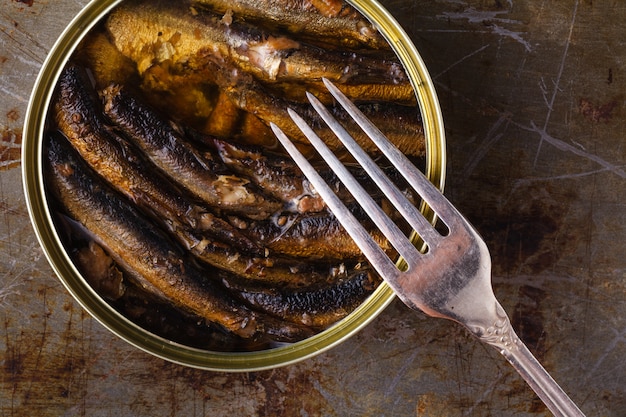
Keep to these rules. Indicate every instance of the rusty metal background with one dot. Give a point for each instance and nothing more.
(533, 96)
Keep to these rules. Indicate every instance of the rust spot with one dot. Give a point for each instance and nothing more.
(3, 59)
(274, 392)
(10, 147)
(15, 357)
(597, 112)
(35, 369)
(13, 115)
(14, 362)
(29, 3)
(285, 392)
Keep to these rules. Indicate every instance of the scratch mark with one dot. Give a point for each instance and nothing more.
(516, 36)
(523, 181)
(19, 97)
(454, 64)
(489, 18)
(400, 374)
(566, 147)
(482, 150)
(489, 390)
(10, 289)
(475, 16)
(29, 62)
(558, 79)
(610, 348)
(25, 42)
(10, 139)
(544, 92)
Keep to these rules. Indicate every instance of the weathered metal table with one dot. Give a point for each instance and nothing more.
(533, 96)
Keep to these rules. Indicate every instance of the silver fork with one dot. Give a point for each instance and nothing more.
(451, 278)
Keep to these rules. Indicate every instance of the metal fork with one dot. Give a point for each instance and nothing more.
(451, 277)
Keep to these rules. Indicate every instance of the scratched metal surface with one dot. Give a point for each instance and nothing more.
(533, 98)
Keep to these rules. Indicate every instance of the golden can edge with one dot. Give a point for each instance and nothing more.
(32, 177)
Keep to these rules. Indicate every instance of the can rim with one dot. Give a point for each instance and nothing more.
(41, 219)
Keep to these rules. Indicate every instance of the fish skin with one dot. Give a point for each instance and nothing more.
(320, 236)
(275, 173)
(314, 307)
(77, 112)
(147, 255)
(250, 90)
(142, 308)
(233, 251)
(77, 115)
(401, 124)
(165, 146)
(333, 22)
(307, 231)
(161, 318)
(315, 236)
(278, 175)
(165, 32)
(270, 269)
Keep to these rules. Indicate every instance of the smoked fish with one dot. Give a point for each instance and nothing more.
(316, 236)
(153, 314)
(276, 174)
(401, 124)
(151, 32)
(210, 238)
(147, 255)
(314, 307)
(319, 236)
(332, 22)
(165, 146)
(78, 115)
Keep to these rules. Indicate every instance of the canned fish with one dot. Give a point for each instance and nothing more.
(193, 44)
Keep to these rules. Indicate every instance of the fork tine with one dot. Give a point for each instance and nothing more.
(377, 257)
(398, 239)
(429, 193)
(415, 219)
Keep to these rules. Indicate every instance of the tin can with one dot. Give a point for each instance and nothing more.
(70, 276)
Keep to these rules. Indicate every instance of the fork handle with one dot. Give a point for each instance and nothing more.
(518, 355)
(553, 396)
